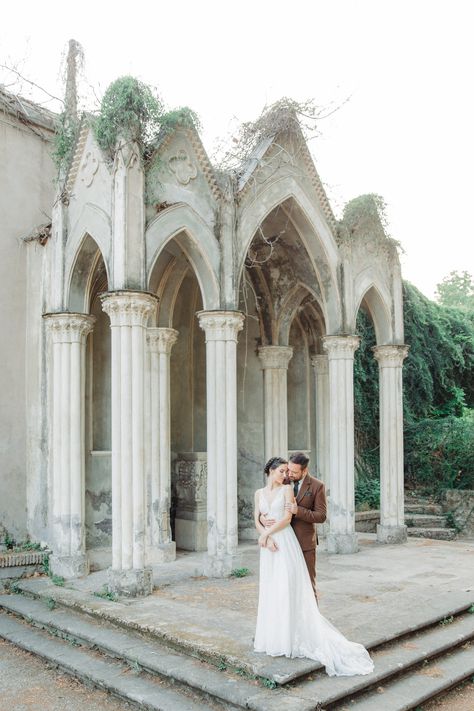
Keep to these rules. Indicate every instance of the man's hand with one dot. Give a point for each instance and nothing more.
(293, 507)
(265, 521)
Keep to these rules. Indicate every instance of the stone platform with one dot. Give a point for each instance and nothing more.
(381, 597)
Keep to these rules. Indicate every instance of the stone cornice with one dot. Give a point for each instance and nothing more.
(390, 356)
(275, 356)
(161, 340)
(221, 325)
(69, 327)
(128, 308)
(340, 347)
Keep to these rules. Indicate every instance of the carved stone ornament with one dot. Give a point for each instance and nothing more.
(183, 167)
(391, 356)
(221, 325)
(128, 308)
(320, 363)
(191, 483)
(69, 327)
(340, 347)
(275, 356)
(89, 168)
(161, 340)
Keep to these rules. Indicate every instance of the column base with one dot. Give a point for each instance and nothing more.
(162, 553)
(391, 534)
(130, 583)
(69, 566)
(341, 543)
(221, 567)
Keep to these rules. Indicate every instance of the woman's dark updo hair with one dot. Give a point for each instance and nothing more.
(273, 463)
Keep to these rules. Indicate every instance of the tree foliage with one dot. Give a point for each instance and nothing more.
(438, 385)
(457, 291)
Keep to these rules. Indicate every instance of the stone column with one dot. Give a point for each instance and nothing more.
(392, 527)
(321, 378)
(275, 360)
(128, 312)
(160, 547)
(342, 537)
(68, 333)
(221, 328)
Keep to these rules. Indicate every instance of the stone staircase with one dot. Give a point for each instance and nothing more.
(425, 519)
(429, 653)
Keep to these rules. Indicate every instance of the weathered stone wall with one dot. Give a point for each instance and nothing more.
(460, 502)
(26, 177)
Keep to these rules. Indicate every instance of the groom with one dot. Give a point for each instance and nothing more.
(309, 508)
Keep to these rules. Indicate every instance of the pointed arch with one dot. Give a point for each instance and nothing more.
(82, 276)
(378, 301)
(196, 241)
(313, 231)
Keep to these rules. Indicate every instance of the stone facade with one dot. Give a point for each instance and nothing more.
(183, 327)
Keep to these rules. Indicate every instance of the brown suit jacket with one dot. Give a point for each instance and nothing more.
(312, 509)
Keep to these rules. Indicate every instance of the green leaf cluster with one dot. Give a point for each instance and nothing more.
(130, 109)
(65, 137)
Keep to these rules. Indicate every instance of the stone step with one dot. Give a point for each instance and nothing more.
(233, 690)
(425, 521)
(392, 660)
(423, 508)
(112, 675)
(413, 689)
(440, 534)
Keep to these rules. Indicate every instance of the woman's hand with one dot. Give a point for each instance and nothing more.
(262, 541)
(271, 545)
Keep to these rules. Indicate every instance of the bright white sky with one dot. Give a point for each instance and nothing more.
(406, 133)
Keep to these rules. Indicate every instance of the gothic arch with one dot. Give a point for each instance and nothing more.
(313, 232)
(196, 241)
(378, 302)
(80, 276)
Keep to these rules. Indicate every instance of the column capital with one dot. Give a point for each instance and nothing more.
(128, 308)
(340, 347)
(320, 363)
(161, 340)
(69, 327)
(390, 356)
(221, 325)
(275, 356)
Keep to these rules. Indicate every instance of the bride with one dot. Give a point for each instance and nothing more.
(288, 620)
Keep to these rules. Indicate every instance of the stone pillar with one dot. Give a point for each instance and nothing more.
(160, 547)
(275, 360)
(128, 312)
(342, 537)
(392, 527)
(321, 378)
(68, 333)
(221, 328)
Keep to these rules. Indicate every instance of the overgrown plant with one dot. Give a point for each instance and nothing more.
(129, 108)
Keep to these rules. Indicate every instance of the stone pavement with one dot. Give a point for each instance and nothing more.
(370, 596)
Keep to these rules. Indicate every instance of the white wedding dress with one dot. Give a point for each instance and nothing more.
(288, 621)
